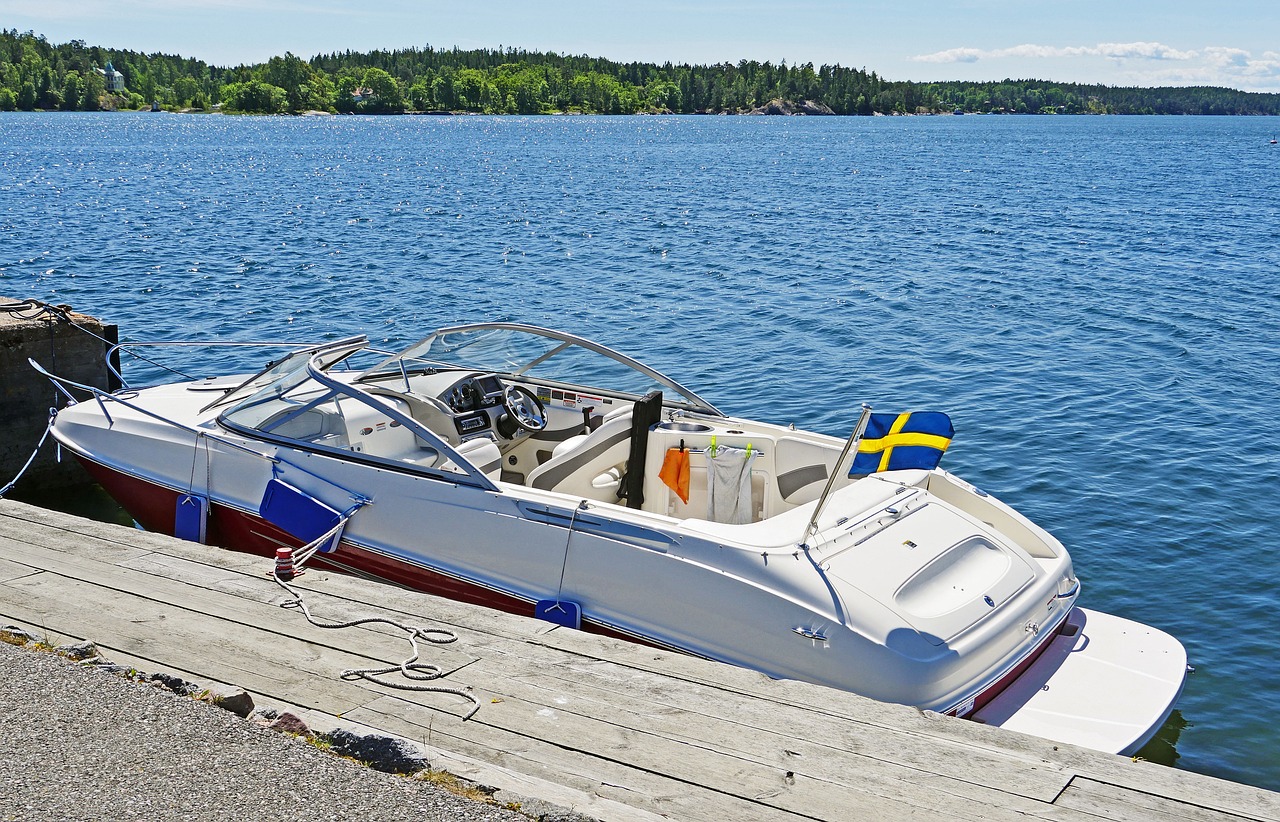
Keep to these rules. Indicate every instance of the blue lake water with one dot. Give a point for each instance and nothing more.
(1095, 301)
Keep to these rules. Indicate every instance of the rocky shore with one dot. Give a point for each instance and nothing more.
(88, 740)
(779, 106)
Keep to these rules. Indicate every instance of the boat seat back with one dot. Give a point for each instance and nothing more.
(801, 468)
(483, 453)
(647, 413)
(573, 467)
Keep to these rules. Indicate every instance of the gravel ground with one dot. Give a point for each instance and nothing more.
(78, 743)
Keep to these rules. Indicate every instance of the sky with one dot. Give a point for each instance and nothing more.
(1232, 43)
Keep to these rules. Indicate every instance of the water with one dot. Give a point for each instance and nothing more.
(1094, 300)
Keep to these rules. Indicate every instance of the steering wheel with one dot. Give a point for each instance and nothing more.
(525, 408)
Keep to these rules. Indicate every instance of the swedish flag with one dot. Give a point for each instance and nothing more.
(894, 442)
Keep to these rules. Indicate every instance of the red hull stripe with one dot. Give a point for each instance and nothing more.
(996, 688)
(153, 506)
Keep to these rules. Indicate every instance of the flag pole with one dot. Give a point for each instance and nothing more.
(854, 438)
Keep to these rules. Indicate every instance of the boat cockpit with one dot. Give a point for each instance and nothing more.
(525, 406)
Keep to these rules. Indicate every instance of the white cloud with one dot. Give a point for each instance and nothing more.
(1147, 51)
(1139, 63)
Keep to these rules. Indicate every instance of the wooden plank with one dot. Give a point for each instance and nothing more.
(71, 537)
(653, 698)
(13, 570)
(521, 784)
(632, 711)
(372, 642)
(768, 733)
(285, 668)
(804, 781)
(1142, 776)
(653, 791)
(1124, 804)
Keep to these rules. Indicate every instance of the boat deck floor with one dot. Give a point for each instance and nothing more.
(609, 729)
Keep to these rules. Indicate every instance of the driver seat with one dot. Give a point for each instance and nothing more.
(589, 465)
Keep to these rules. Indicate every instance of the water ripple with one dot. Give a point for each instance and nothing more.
(1094, 300)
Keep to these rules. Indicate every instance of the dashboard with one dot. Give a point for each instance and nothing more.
(472, 403)
(473, 393)
(476, 402)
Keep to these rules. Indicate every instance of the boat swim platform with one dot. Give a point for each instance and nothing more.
(609, 729)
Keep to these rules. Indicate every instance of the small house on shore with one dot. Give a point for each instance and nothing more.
(114, 79)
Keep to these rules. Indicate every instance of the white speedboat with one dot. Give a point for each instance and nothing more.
(544, 474)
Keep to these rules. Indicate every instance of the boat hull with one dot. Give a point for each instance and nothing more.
(152, 505)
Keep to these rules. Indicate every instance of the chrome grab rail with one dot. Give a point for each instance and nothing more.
(853, 440)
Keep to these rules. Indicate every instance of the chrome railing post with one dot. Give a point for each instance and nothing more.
(852, 443)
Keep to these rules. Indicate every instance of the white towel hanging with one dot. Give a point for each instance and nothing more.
(729, 484)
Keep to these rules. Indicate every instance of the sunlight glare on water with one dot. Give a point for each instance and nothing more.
(1093, 300)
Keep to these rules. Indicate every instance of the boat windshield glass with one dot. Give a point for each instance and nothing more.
(534, 353)
(329, 355)
(268, 407)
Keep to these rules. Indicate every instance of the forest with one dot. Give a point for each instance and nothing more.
(38, 75)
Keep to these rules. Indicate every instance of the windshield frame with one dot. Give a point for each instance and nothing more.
(312, 371)
(396, 364)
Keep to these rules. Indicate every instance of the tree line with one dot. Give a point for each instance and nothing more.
(38, 75)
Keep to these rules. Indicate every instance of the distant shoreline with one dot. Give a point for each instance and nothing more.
(76, 76)
(304, 114)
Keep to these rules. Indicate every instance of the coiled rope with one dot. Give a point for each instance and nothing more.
(410, 668)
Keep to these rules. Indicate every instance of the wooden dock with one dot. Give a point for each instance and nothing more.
(609, 729)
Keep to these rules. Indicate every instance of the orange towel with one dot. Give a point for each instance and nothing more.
(675, 472)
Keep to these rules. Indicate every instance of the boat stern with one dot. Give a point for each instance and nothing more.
(1104, 682)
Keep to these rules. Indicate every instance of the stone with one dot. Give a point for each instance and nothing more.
(538, 809)
(78, 650)
(15, 635)
(177, 684)
(229, 698)
(790, 107)
(49, 339)
(289, 723)
(383, 753)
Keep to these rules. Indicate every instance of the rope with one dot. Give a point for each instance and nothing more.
(63, 312)
(410, 668)
(5, 490)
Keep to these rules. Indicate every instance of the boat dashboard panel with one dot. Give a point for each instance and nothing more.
(473, 392)
(471, 403)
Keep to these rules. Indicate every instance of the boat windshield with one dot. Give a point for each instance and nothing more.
(529, 352)
(308, 407)
(328, 355)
